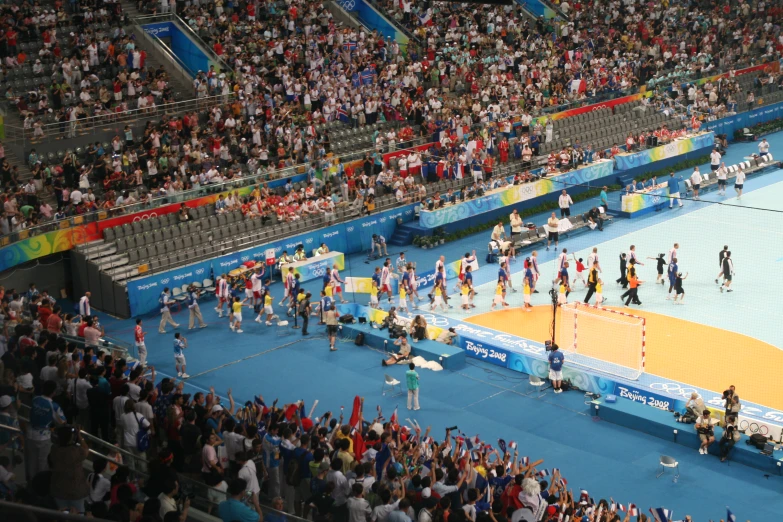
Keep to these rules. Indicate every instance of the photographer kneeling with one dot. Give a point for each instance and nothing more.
(731, 435)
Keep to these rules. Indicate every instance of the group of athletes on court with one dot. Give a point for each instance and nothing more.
(629, 278)
(257, 294)
(588, 274)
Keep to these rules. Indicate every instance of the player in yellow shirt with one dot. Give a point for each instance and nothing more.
(465, 295)
(270, 314)
(564, 289)
(236, 316)
(599, 295)
(500, 295)
(403, 305)
(438, 299)
(374, 295)
(526, 291)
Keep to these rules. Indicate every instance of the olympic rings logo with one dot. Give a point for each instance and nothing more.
(245, 258)
(349, 229)
(435, 320)
(348, 5)
(145, 216)
(673, 388)
(320, 271)
(164, 281)
(199, 271)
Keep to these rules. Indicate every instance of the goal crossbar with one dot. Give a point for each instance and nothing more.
(611, 341)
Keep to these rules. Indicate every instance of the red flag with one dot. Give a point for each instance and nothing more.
(356, 428)
(393, 419)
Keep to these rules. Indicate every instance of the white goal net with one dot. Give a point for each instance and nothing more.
(602, 339)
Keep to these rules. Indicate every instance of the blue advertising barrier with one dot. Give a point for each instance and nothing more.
(183, 46)
(538, 8)
(529, 357)
(514, 194)
(349, 237)
(373, 19)
(739, 121)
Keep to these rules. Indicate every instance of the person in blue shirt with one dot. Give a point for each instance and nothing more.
(672, 274)
(44, 414)
(674, 189)
(180, 343)
(556, 360)
(271, 447)
(323, 305)
(640, 185)
(604, 199)
(233, 509)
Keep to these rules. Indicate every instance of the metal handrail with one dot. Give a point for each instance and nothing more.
(59, 130)
(13, 511)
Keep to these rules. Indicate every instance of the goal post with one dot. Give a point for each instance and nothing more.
(602, 339)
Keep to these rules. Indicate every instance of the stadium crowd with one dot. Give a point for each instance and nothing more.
(163, 444)
(296, 68)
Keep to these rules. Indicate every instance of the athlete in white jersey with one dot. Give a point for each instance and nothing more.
(386, 281)
(257, 285)
(289, 285)
(673, 252)
(633, 257)
(592, 259)
(222, 295)
(337, 282)
(562, 259)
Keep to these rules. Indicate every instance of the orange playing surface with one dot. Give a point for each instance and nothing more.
(701, 356)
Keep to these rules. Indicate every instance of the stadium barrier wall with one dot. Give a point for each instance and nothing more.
(739, 121)
(183, 46)
(349, 237)
(373, 19)
(513, 195)
(693, 146)
(538, 8)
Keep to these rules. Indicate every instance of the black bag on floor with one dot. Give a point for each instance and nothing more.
(397, 331)
(346, 319)
(757, 440)
(359, 341)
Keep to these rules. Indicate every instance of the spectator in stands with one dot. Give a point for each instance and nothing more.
(69, 483)
(44, 415)
(234, 509)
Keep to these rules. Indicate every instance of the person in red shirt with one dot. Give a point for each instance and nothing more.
(141, 348)
(218, 48)
(55, 323)
(503, 148)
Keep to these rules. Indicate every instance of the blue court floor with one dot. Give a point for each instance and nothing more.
(604, 459)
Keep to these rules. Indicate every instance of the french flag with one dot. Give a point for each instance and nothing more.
(513, 445)
(525, 461)
(661, 514)
(393, 419)
(633, 510)
(426, 18)
(543, 473)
